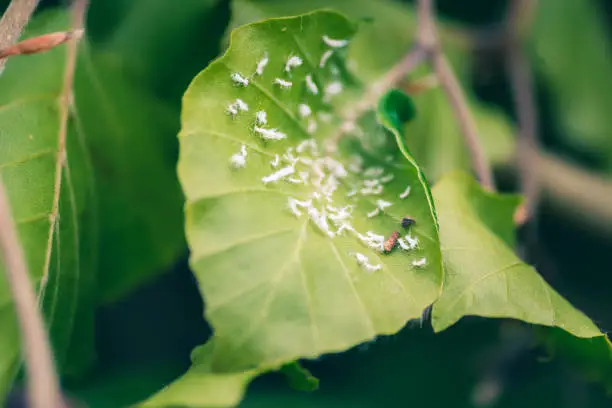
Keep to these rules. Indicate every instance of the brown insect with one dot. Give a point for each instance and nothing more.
(41, 43)
(391, 241)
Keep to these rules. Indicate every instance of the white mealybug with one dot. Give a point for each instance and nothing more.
(304, 175)
(333, 43)
(238, 160)
(261, 118)
(238, 106)
(294, 180)
(274, 163)
(412, 242)
(374, 172)
(293, 62)
(269, 134)
(403, 244)
(262, 64)
(239, 79)
(344, 227)
(312, 126)
(387, 178)
(419, 262)
(352, 193)
(373, 213)
(382, 204)
(332, 89)
(306, 144)
(320, 220)
(311, 86)
(405, 193)
(284, 84)
(304, 110)
(364, 262)
(294, 204)
(279, 175)
(325, 57)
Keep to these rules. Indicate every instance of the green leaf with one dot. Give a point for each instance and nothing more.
(300, 378)
(200, 387)
(61, 258)
(434, 137)
(484, 277)
(131, 135)
(576, 65)
(277, 286)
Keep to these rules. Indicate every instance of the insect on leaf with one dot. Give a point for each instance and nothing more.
(286, 225)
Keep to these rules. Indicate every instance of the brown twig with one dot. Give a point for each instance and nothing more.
(428, 38)
(519, 18)
(43, 384)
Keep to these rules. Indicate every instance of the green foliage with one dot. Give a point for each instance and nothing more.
(61, 257)
(265, 274)
(576, 64)
(483, 275)
(286, 213)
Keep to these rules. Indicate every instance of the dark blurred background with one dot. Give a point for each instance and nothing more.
(144, 340)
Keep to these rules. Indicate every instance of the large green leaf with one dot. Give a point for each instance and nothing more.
(200, 387)
(281, 284)
(130, 134)
(386, 31)
(576, 64)
(484, 277)
(61, 258)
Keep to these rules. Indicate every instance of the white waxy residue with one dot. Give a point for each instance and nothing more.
(311, 86)
(276, 161)
(325, 57)
(387, 178)
(405, 193)
(261, 118)
(269, 134)
(293, 62)
(304, 110)
(374, 172)
(373, 240)
(412, 242)
(239, 79)
(312, 126)
(279, 175)
(373, 213)
(364, 262)
(371, 187)
(419, 262)
(305, 145)
(382, 204)
(319, 218)
(284, 84)
(262, 64)
(238, 106)
(334, 43)
(295, 205)
(332, 89)
(238, 160)
(325, 117)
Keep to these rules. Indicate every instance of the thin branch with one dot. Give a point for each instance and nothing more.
(427, 37)
(43, 384)
(521, 80)
(13, 22)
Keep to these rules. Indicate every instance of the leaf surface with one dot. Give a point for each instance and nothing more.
(484, 277)
(60, 255)
(282, 284)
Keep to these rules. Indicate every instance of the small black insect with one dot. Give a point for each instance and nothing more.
(407, 222)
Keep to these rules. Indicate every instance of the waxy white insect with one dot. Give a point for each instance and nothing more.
(276, 161)
(312, 126)
(405, 193)
(334, 43)
(304, 110)
(332, 89)
(364, 262)
(319, 218)
(238, 160)
(261, 118)
(238, 106)
(295, 205)
(293, 62)
(311, 86)
(269, 134)
(262, 64)
(387, 178)
(419, 262)
(284, 84)
(239, 79)
(325, 57)
(279, 175)
(373, 213)
(374, 172)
